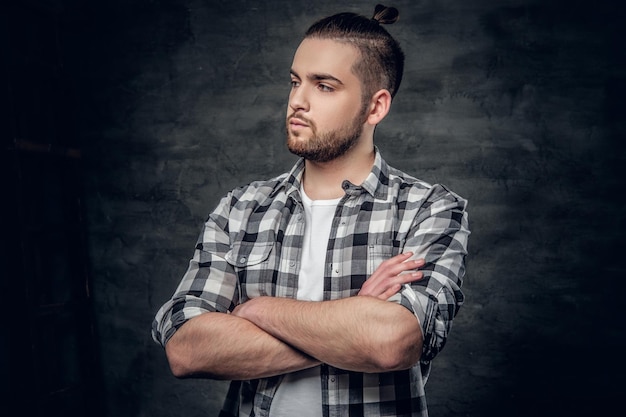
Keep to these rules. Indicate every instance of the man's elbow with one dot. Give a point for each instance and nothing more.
(183, 364)
(400, 359)
(177, 362)
(400, 354)
(404, 344)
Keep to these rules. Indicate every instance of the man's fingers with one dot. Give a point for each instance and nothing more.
(390, 292)
(391, 275)
(395, 286)
(398, 259)
(396, 268)
(413, 276)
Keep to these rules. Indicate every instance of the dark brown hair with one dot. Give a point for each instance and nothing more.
(382, 61)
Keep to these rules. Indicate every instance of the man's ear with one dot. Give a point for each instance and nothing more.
(379, 106)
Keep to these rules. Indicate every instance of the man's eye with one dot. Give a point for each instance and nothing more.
(325, 88)
(294, 83)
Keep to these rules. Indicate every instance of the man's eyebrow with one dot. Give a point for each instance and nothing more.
(318, 77)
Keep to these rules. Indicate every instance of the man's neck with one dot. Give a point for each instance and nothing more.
(323, 180)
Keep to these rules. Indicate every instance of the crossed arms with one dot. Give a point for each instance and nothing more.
(268, 336)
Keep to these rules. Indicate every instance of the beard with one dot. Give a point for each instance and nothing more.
(326, 146)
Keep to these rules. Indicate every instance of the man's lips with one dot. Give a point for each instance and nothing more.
(295, 122)
(297, 125)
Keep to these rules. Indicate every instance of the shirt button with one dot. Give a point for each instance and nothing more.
(292, 263)
(332, 379)
(243, 259)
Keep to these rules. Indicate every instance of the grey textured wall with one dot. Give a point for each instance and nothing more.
(514, 104)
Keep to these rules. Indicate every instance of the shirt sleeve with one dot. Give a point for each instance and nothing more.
(439, 235)
(210, 283)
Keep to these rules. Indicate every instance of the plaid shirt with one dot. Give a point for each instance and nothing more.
(251, 246)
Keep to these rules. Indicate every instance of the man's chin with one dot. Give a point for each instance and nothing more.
(298, 147)
(296, 150)
(297, 143)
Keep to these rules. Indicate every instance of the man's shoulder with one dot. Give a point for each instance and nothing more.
(404, 180)
(259, 189)
(411, 188)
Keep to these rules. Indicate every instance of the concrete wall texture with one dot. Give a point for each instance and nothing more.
(514, 104)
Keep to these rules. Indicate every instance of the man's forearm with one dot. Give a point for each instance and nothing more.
(222, 346)
(358, 333)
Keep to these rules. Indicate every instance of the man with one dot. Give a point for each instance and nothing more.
(329, 289)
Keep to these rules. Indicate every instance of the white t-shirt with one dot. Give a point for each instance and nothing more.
(300, 393)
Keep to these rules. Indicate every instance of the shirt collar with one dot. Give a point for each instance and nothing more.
(376, 183)
(293, 179)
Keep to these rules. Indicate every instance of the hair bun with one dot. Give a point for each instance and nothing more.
(385, 15)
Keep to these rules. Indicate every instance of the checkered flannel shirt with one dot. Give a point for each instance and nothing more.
(251, 246)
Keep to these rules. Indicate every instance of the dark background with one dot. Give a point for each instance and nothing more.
(124, 122)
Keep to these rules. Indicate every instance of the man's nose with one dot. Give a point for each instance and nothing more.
(298, 99)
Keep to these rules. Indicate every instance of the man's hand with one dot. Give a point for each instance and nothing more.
(391, 275)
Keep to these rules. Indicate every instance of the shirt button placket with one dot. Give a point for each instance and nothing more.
(333, 396)
(300, 226)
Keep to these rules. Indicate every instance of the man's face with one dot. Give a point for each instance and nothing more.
(326, 112)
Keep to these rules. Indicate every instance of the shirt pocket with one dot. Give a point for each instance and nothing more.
(381, 249)
(378, 251)
(254, 264)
